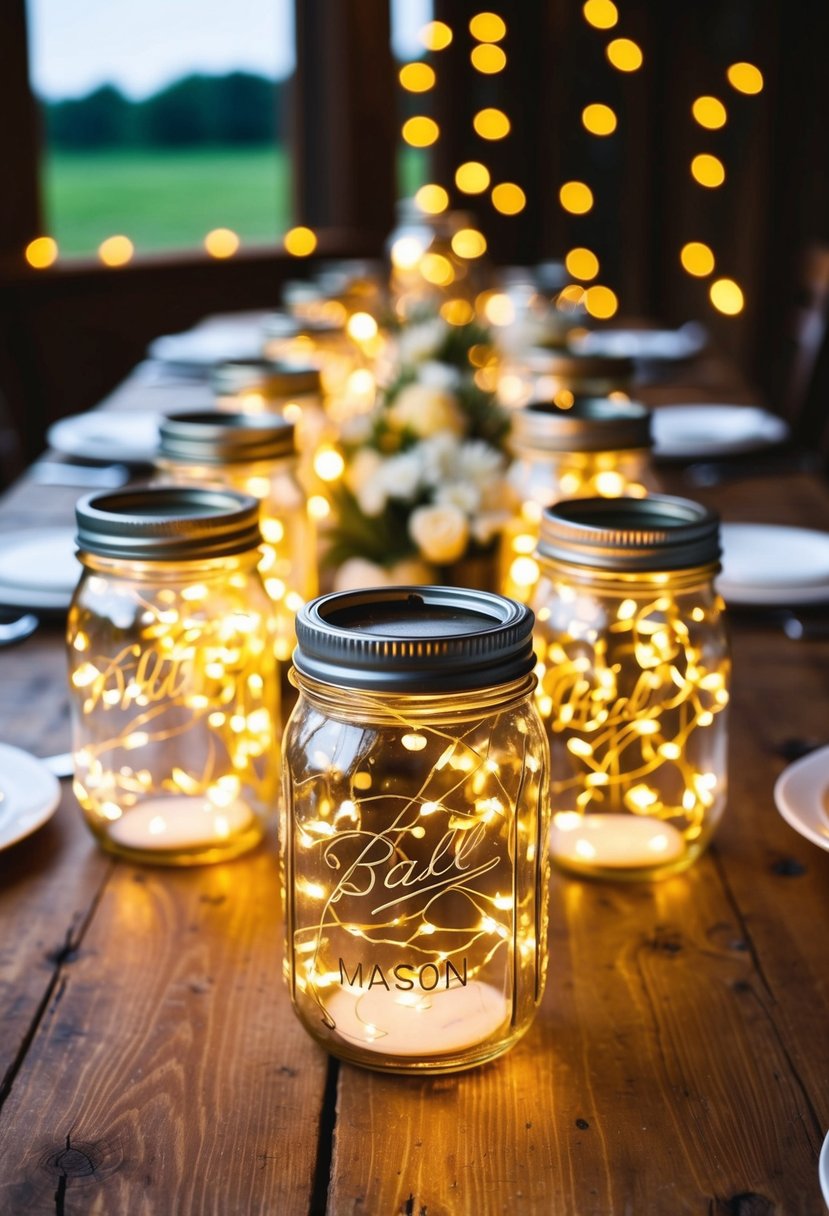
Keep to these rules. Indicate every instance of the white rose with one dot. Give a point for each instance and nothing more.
(439, 375)
(418, 342)
(400, 475)
(439, 457)
(440, 533)
(460, 494)
(364, 478)
(426, 411)
(479, 463)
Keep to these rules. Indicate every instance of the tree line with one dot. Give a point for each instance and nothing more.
(239, 108)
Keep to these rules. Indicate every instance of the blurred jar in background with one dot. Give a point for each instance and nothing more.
(634, 670)
(254, 454)
(562, 375)
(596, 447)
(174, 690)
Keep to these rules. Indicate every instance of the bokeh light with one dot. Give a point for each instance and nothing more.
(362, 327)
(601, 14)
(726, 296)
(116, 250)
(708, 170)
(300, 241)
(221, 243)
(431, 199)
(472, 177)
(697, 258)
(417, 77)
(624, 54)
(745, 78)
(436, 36)
(600, 302)
(508, 198)
(709, 112)
(599, 119)
(488, 59)
(582, 263)
(420, 131)
(469, 243)
(41, 252)
(491, 123)
(487, 27)
(576, 197)
(437, 269)
(457, 312)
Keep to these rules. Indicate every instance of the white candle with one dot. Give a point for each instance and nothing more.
(178, 822)
(418, 1023)
(613, 840)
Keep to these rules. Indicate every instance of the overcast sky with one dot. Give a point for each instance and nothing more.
(140, 45)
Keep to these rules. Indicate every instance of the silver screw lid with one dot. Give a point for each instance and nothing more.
(270, 377)
(630, 534)
(414, 639)
(286, 325)
(591, 424)
(168, 523)
(219, 437)
(571, 363)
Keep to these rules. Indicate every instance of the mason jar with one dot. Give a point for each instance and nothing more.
(633, 683)
(415, 817)
(593, 448)
(174, 692)
(563, 375)
(322, 343)
(254, 454)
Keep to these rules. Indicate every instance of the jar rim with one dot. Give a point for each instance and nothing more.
(214, 436)
(417, 639)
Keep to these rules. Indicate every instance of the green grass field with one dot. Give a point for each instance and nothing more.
(166, 199)
(170, 199)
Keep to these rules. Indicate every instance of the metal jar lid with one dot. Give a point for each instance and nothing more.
(269, 377)
(219, 437)
(630, 534)
(285, 325)
(591, 424)
(414, 639)
(168, 523)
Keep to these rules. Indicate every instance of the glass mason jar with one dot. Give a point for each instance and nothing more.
(596, 447)
(415, 819)
(633, 683)
(174, 690)
(563, 375)
(322, 343)
(253, 454)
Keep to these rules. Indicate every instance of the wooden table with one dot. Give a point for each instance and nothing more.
(679, 1062)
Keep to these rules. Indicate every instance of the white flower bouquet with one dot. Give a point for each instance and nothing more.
(424, 483)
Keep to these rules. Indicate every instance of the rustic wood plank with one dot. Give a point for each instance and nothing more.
(48, 882)
(169, 1073)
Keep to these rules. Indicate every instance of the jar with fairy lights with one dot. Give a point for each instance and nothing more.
(593, 448)
(562, 375)
(292, 391)
(415, 818)
(254, 454)
(633, 683)
(322, 342)
(172, 675)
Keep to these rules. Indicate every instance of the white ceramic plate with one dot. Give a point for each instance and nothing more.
(801, 793)
(823, 1170)
(772, 564)
(714, 430)
(200, 348)
(111, 435)
(38, 568)
(648, 345)
(28, 794)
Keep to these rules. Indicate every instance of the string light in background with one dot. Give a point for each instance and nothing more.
(576, 197)
(221, 243)
(116, 250)
(491, 123)
(432, 199)
(625, 54)
(488, 59)
(472, 177)
(601, 14)
(300, 242)
(469, 243)
(417, 77)
(697, 258)
(727, 296)
(599, 119)
(42, 252)
(582, 264)
(601, 302)
(420, 131)
(745, 78)
(436, 36)
(709, 112)
(487, 27)
(708, 170)
(508, 198)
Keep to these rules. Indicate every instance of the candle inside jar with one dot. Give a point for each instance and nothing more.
(178, 822)
(614, 840)
(418, 1023)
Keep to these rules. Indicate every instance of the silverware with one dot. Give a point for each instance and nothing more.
(18, 629)
(55, 473)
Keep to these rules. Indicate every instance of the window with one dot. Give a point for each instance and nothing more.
(164, 125)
